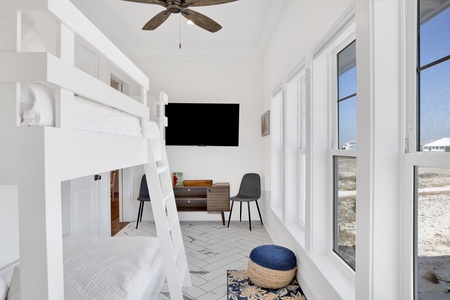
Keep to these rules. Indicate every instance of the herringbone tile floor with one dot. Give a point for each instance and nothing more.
(211, 250)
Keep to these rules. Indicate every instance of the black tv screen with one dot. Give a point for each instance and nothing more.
(202, 124)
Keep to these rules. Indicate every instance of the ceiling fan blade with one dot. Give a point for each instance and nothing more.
(206, 2)
(201, 20)
(158, 2)
(156, 20)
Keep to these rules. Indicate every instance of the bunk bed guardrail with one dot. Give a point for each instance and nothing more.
(37, 159)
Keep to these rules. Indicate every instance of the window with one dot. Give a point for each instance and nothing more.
(345, 208)
(432, 203)
(344, 158)
(277, 152)
(433, 75)
(432, 171)
(295, 164)
(347, 97)
(117, 84)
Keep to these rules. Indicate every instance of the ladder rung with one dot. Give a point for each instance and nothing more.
(161, 169)
(172, 220)
(176, 247)
(182, 273)
(166, 197)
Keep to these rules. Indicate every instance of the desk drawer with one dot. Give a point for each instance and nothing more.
(190, 192)
(191, 204)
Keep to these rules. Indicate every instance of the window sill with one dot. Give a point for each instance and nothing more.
(327, 266)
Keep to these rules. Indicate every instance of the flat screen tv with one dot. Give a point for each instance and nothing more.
(202, 124)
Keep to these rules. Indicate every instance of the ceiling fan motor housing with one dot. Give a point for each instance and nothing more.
(174, 7)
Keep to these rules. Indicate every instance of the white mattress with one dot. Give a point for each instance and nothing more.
(38, 109)
(110, 268)
(104, 268)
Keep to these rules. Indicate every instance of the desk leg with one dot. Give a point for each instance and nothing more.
(223, 217)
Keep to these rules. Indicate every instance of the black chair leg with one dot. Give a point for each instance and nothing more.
(142, 209)
(231, 210)
(240, 211)
(139, 214)
(249, 217)
(257, 206)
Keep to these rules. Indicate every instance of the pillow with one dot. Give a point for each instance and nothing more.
(3, 289)
(14, 286)
(42, 111)
(26, 99)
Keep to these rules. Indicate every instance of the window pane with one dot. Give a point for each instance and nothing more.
(346, 102)
(434, 105)
(347, 71)
(434, 33)
(433, 233)
(347, 83)
(345, 209)
(347, 124)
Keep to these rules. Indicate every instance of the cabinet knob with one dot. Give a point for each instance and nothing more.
(189, 201)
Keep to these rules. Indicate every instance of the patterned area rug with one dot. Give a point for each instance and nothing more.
(239, 287)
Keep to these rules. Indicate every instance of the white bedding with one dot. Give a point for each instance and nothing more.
(104, 268)
(109, 268)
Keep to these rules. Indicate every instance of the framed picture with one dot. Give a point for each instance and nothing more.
(265, 123)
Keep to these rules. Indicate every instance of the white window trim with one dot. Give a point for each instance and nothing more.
(277, 152)
(409, 49)
(322, 152)
(294, 148)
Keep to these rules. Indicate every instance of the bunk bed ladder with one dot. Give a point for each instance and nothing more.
(165, 213)
(167, 223)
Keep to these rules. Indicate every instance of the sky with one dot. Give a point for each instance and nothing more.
(434, 86)
(435, 81)
(347, 108)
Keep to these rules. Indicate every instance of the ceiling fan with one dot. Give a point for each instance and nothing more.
(182, 6)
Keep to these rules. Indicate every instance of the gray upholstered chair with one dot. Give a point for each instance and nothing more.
(249, 191)
(144, 195)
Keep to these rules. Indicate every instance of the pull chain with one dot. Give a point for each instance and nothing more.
(179, 45)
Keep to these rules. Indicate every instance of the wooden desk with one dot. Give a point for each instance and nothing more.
(215, 198)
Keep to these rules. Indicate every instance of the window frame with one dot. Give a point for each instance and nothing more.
(335, 151)
(296, 146)
(413, 157)
(277, 156)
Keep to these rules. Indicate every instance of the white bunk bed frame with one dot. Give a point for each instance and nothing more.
(38, 159)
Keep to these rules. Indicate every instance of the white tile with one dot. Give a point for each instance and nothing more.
(194, 292)
(215, 283)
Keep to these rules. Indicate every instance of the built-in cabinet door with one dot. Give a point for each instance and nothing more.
(86, 206)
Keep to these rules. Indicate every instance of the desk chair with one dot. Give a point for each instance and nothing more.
(249, 191)
(143, 196)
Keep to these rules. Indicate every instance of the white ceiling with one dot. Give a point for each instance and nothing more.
(246, 28)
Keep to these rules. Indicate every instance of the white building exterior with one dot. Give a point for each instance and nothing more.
(441, 145)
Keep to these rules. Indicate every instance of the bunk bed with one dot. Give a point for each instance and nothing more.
(45, 90)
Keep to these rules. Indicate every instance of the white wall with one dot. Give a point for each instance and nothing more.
(214, 81)
(9, 216)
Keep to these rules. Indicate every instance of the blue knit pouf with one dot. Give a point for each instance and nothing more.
(271, 266)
